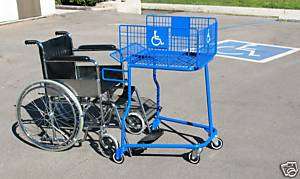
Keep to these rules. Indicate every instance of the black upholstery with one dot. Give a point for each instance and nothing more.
(54, 50)
(70, 58)
(89, 72)
(59, 46)
(61, 70)
(96, 48)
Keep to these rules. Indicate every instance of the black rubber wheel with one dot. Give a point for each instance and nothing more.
(120, 161)
(216, 145)
(108, 145)
(194, 160)
(135, 123)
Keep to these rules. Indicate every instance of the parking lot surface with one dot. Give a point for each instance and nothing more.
(256, 107)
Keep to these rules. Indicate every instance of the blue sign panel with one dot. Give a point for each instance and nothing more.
(180, 26)
(254, 52)
(157, 37)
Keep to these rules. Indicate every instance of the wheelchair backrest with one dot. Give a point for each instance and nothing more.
(56, 47)
(59, 46)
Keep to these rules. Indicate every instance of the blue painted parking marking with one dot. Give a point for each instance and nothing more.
(254, 52)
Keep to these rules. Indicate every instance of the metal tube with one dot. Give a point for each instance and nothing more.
(123, 121)
(175, 146)
(99, 95)
(208, 100)
(157, 92)
(143, 109)
(180, 121)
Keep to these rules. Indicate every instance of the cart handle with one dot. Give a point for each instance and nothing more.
(114, 55)
(111, 78)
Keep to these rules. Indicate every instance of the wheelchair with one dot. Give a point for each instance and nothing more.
(73, 98)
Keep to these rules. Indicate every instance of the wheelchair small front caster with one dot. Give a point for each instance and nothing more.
(194, 156)
(135, 123)
(216, 143)
(118, 161)
(108, 145)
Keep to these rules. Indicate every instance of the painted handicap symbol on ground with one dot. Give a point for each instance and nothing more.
(254, 52)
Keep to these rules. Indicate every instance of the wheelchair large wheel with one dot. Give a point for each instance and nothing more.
(50, 115)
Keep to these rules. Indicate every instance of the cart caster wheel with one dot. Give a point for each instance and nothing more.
(193, 159)
(135, 123)
(216, 143)
(120, 161)
(108, 145)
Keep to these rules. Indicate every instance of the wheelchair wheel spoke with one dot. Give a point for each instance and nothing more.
(41, 111)
(54, 128)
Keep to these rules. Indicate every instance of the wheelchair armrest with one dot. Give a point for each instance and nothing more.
(96, 48)
(113, 75)
(71, 58)
(62, 33)
(31, 42)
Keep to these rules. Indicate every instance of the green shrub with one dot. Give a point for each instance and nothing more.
(57, 1)
(79, 2)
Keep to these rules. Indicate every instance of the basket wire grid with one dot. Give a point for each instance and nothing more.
(169, 43)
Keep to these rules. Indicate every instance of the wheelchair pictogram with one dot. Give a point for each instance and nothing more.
(208, 39)
(289, 169)
(156, 40)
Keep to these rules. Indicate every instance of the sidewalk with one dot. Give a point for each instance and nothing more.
(65, 9)
(281, 14)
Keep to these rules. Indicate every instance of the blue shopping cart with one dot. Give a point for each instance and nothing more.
(168, 43)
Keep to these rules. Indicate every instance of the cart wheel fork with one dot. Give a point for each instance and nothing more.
(194, 156)
(119, 153)
(156, 121)
(155, 124)
(196, 153)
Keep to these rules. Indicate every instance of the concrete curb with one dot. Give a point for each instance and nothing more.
(22, 20)
(99, 7)
(282, 14)
(69, 7)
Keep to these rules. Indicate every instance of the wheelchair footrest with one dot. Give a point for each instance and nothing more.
(150, 108)
(152, 137)
(148, 104)
(148, 139)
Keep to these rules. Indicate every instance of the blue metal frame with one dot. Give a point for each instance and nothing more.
(205, 51)
(112, 79)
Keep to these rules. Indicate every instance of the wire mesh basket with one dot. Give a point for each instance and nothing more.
(168, 42)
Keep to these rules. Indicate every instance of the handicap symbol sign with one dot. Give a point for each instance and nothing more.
(156, 40)
(254, 52)
(157, 37)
